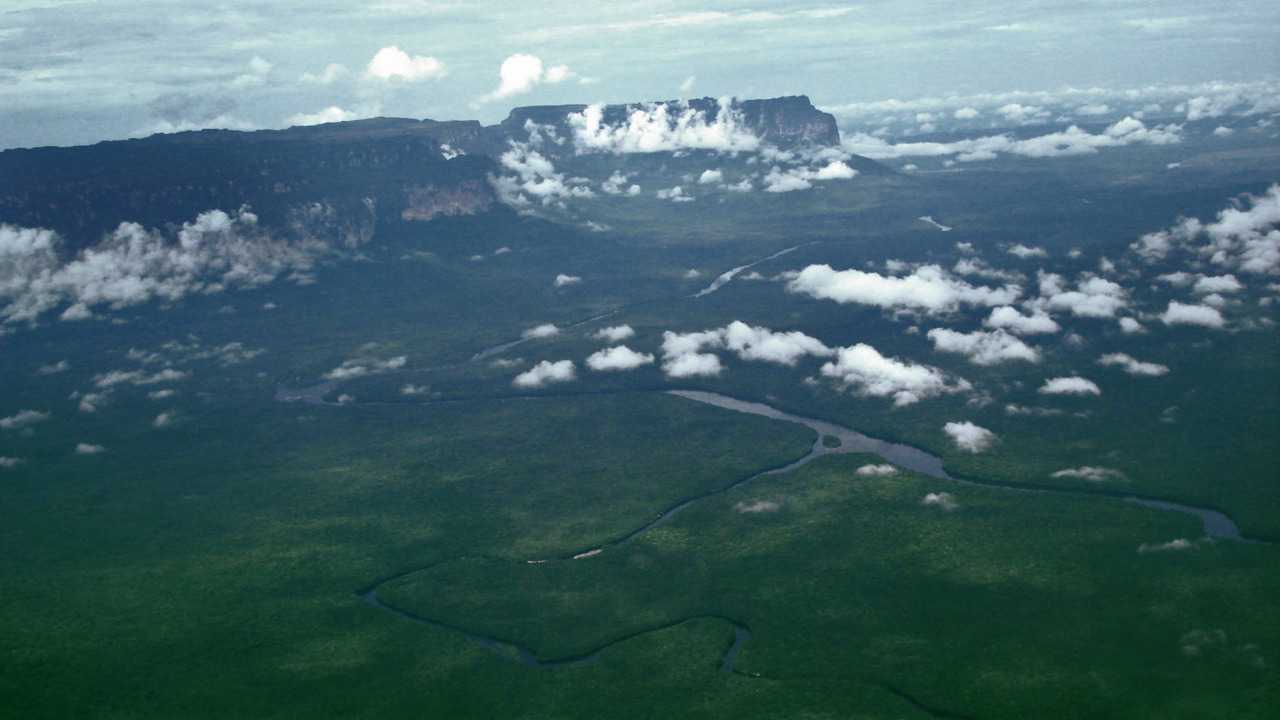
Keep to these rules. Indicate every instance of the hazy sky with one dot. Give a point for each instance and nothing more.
(77, 72)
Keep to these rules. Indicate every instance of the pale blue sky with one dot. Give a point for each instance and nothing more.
(77, 72)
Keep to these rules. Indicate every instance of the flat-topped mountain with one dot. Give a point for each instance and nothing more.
(346, 177)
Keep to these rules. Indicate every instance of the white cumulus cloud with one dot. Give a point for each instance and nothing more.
(1132, 365)
(983, 348)
(617, 333)
(968, 436)
(863, 370)
(877, 470)
(520, 73)
(619, 357)
(1008, 317)
(929, 289)
(1181, 314)
(544, 373)
(1091, 474)
(392, 62)
(662, 127)
(1069, 386)
(541, 331)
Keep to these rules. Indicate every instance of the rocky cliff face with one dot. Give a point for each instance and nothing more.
(342, 179)
(369, 171)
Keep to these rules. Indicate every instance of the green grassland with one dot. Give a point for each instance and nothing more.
(208, 565)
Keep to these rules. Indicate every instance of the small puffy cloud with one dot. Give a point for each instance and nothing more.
(1180, 314)
(87, 449)
(941, 500)
(1132, 365)
(520, 73)
(758, 343)
(692, 365)
(877, 470)
(392, 62)
(929, 289)
(801, 178)
(164, 420)
(1024, 252)
(969, 437)
(161, 394)
(1069, 386)
(1179, 544)
(91, 402)
(614, 334)
(22, 419)
(711, 177)
(619, 357)
(683, 357)
(8, 462)
(983, 348)
(52, 369)
(1091, 474)
(1131, 326)
(675, 194)
(759, 506)
(1220, 284)
(862, 369)
(541, 331)
(966, 113)
(544, 373)
(1095, 297)
(562, 280)
(1008, 317)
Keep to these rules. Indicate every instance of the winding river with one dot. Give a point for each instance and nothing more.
(1216, 524)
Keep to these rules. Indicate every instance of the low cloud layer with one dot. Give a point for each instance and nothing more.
(1244, 238)
(535, 178)
(663, 127)
(1072, 141)
(133, 265)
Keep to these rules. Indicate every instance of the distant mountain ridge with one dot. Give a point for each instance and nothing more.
(347, 175)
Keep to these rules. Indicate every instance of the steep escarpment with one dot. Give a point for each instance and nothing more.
(338, 181)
